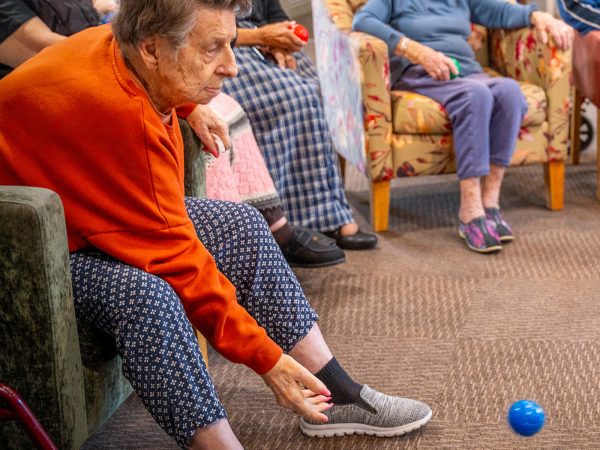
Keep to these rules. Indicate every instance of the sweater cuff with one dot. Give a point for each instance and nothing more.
(185, 110)
(265, 358)
(392, 41)
(529, 9)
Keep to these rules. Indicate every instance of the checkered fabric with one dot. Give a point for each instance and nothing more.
(161, 357)
(287, 117)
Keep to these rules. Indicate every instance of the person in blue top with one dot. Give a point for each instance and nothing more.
(583, 15)
(486, 113)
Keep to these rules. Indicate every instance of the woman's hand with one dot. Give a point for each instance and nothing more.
(295, 388)
(545, 24)
(437, 65)
(205, 123)
(280, 36)
(104, 6)
(285, 60)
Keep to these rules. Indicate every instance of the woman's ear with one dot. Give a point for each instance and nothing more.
(148, 50)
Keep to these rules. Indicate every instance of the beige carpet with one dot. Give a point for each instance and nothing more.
(422, 316)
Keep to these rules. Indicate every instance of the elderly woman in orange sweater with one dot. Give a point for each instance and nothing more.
(145, 260)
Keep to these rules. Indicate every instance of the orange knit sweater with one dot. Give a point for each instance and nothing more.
(73, 120)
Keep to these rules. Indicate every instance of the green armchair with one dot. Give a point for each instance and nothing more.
(68, 373)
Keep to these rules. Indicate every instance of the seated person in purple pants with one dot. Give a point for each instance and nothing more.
(486, 113)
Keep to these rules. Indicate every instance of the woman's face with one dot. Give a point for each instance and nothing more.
(196, 73)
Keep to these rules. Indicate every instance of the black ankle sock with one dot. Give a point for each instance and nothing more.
(343, 389)
(272, 214)
(284, 234)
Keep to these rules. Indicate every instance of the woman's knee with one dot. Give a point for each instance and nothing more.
(508, 93)
(472, 99)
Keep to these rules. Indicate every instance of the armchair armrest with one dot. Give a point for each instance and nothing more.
(194, 162)
(40, 347)
(354, 74)
(521, 55)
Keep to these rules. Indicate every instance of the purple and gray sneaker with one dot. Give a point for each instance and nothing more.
(502, 227)
(480, 235)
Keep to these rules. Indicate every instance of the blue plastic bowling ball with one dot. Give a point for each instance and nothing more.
(526, 417)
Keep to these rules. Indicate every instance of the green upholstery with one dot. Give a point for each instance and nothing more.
(70, 378)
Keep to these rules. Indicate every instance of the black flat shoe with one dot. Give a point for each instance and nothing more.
(310, 248)
(358, 241)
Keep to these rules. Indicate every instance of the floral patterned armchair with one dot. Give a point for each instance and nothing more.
(388, 134)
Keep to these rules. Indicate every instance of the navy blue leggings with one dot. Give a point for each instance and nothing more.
(160, 353)
(485, 112)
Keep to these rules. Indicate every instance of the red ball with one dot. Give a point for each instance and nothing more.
(301, 32)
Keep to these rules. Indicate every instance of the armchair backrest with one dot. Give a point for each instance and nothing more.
(40, 354)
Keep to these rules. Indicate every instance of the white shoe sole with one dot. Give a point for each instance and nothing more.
(495, 248)
(341, 429)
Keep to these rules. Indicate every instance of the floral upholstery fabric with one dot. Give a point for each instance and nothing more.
(520, 55)
(414, 113)
(408, 134)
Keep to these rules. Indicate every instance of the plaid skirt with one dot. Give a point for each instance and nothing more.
(286, 113)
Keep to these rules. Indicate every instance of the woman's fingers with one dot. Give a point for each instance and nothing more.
(316, 400)
(307, 379)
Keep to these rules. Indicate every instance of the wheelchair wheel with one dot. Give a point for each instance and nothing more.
(586, 133)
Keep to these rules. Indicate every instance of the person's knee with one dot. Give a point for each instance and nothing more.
(148, 298)
(508, 92)
(473, 98)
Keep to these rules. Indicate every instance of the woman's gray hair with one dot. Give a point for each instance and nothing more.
(171, 19)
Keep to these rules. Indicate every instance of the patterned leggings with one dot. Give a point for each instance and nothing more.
(161, 357)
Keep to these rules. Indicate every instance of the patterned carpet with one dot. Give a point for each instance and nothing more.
(422, 316)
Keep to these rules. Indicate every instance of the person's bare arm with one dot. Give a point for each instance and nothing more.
(29, 39)
(275, 35)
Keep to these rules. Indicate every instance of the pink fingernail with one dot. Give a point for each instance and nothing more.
(326, 392)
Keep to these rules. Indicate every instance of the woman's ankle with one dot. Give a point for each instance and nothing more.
(349, 229)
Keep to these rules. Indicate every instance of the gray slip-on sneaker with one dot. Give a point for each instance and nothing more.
(376, 414)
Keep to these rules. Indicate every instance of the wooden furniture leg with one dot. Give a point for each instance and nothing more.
(554, 176)
(598, 152)
(380, 205)
(203, 346)
(342, 161)
(576, 126)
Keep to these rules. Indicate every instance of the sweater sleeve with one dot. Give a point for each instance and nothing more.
(13, 14)
(374, 19)
(274, 12)
(580, 15)
(501, 14)
(151, 230)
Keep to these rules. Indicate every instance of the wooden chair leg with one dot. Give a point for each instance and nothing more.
(380, 205)
(554, 175)
(576, 126)
(342, 161)
(203, 346)
(598, 152)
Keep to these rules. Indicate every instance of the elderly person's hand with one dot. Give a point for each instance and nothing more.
(297, 389)
(437, 65)
(545, 24)
(281, 36)
(205, 123)
(285, 60)
(104, 6)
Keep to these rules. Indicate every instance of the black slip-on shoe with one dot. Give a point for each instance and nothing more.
(358, 241)
(310, 248)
